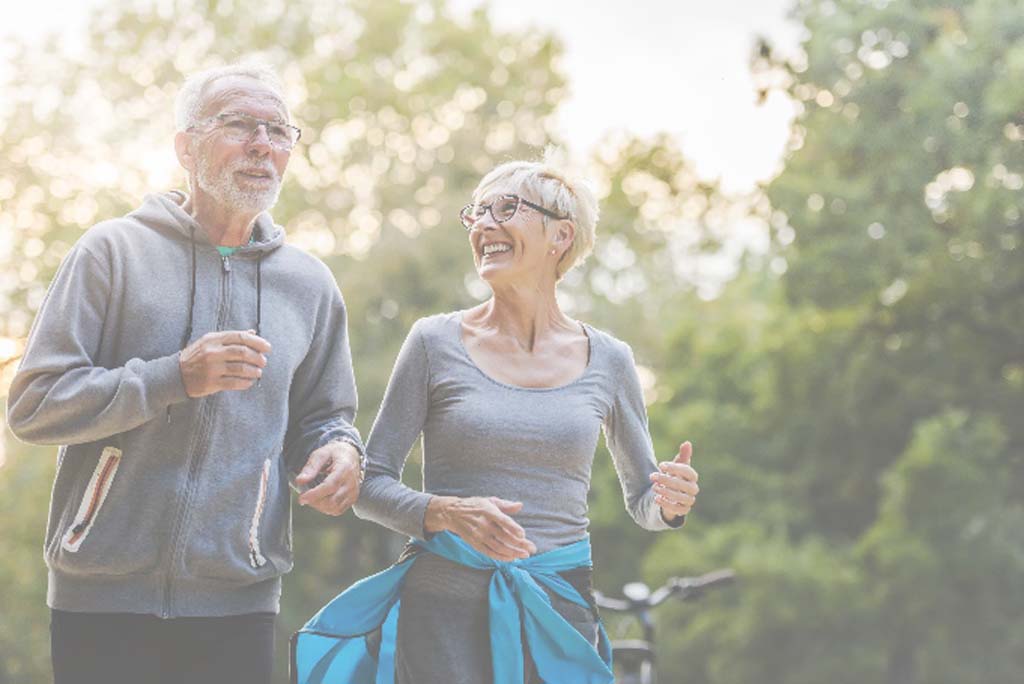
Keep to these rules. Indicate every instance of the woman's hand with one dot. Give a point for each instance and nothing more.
(675, 486)
(485, 523)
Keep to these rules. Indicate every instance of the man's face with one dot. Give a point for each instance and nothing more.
(240, 176)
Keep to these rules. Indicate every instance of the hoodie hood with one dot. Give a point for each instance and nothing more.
(164, 212)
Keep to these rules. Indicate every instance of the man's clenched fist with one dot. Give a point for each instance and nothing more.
(228, 360)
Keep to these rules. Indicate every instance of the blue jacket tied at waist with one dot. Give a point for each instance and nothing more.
(332, 647)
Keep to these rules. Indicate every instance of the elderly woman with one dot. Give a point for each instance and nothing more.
(509, 397)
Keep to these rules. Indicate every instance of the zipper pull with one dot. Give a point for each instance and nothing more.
(227, 264)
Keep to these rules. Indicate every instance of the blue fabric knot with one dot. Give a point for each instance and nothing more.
(332, 646)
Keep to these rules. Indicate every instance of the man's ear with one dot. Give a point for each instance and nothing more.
(185, 152)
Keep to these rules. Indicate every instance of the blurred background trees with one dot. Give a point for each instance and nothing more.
(854, 385)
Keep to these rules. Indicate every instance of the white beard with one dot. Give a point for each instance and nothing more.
(221, 186)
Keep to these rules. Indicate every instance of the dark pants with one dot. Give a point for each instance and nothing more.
(116, 648)
(444, 633)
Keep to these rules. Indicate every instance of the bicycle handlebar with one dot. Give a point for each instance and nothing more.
(686, 588)
(617, 605)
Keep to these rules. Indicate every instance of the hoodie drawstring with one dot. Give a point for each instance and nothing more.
(192, 292)
(191, 301)
(259, 299)
(259, 293)
(192, 298)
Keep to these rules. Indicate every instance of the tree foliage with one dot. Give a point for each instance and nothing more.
(853, 387)
(864, 411)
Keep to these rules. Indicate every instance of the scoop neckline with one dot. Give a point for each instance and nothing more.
(469, 359)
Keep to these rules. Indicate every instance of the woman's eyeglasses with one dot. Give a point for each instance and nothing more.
(502, 209)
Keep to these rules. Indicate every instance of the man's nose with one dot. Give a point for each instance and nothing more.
(260, 140)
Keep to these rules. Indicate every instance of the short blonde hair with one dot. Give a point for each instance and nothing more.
(554, 189)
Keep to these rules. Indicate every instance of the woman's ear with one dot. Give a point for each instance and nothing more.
(565, 233)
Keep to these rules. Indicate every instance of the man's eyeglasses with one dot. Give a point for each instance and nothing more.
(502, 209)
(242, 128)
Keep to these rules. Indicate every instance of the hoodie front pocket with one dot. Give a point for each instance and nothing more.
(256, 558)
(93, 499)
(239, 525)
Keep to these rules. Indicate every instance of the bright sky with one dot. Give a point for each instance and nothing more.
(679, 66)
(643, 66)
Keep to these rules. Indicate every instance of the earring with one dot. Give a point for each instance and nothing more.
(552, 252)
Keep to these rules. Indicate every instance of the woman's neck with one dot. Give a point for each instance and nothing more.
(524, 314)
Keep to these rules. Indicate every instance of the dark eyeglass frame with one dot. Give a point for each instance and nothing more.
(220, 122)
(468, 221)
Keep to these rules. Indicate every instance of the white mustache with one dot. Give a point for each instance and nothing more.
(249, 168)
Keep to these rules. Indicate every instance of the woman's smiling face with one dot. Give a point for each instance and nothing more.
(514, 250)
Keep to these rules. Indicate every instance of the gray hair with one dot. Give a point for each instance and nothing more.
(556, 189)
(190, 101)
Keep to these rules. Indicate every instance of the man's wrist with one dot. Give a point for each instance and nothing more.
(360, 453)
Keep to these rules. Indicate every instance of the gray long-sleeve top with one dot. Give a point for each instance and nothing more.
(482, 437)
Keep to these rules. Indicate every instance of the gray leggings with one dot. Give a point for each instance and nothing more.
(443, 631)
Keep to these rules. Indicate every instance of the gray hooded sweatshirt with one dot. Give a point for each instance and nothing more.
(163, 504)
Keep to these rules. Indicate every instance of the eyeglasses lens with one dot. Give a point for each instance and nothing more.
(242, 129)
(468, 216)
(504, 208)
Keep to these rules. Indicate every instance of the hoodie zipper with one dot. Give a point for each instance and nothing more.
(198, 447)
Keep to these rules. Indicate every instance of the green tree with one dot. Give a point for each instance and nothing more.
(946, 574)
(882, 372)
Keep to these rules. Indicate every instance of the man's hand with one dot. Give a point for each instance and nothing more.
(228, 360)
(334, 473)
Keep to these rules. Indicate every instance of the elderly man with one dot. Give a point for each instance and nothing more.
(192, 365)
